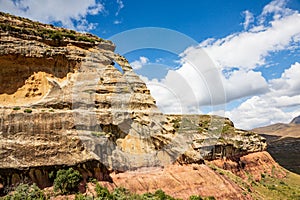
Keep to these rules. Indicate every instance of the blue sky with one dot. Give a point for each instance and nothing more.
(237, 58)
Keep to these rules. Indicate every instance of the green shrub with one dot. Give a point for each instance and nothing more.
(83, 197)
(210, 198)
(85, 39)
(162, 195)
(67, 181)
(17, 108)
(158, 195)
(56, 36)
(27, 192)
(70, 35)
(92, 180)
(121, 194)
(102, 192)
(176, 123)
(195, 197)
(27, 110)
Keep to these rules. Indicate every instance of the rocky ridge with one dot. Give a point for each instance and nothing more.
(283, 143)
(64, 103)
(296, 120)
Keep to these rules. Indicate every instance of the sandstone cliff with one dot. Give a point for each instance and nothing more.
(64, 103)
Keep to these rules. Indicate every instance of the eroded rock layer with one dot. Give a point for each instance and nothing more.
(64, 103)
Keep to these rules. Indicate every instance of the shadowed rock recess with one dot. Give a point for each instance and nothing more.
(65, 104)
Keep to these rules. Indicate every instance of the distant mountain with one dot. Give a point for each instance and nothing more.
(280, 129)
(296, 120)
(284, 143)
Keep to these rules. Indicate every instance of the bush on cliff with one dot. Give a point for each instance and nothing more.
(26, 192)
(102, 192)
(67, 181)
(195, 197)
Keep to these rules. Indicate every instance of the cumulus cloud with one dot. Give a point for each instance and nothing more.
(257, 111)
(249, 49)
(273, 106)
(138, 64)
(289, 82)
(196, 83)
(242, 83)
(277, 9)
(218, 71)
(70, 13)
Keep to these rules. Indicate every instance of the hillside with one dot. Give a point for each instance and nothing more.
(283, 143)
(296, 120)
(64, 105)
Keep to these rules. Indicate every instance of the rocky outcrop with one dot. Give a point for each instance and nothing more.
(213, 137)
(254, 164)
(65, 104)
(283, 143)
(296, 120)
(179, 182)
(182, 181)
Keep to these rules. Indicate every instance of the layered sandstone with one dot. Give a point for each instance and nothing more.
(65, 103)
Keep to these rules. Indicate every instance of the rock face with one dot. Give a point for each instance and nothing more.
(213, 137)
(179, 182)
(64, 103)
(182, 181)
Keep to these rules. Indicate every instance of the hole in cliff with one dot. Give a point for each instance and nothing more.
(118, 67)
(16, 70)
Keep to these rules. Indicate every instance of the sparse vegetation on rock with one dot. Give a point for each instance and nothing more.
(27, 110)
(26, 192)
(17, 108)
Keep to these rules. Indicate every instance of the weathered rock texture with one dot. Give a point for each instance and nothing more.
(64, 103)
(182, 181)
(179, 181)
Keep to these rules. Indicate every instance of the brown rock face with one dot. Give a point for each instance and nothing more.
(179, 181)
(182, 181)
(64, 104)
(255, 164)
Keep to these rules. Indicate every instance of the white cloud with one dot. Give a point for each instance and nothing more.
(138, 64)
(271, 107)
(70, 13)
(195, 87)
(249, 49)
(289, 82)
(117, 22)
(249, 18)
(241, 84)
(197, 82)
(120, 6)
(257, 111)
(229, 71)
(277, 8)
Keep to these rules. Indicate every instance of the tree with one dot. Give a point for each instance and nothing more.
(67, 181)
